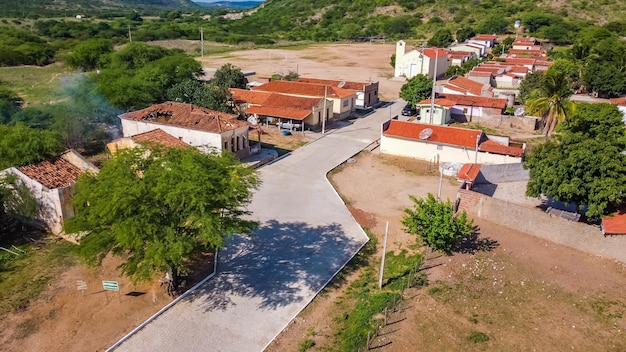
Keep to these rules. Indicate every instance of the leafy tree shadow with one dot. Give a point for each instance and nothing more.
(281, 264)
(472, 243)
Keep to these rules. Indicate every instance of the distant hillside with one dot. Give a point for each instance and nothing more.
(21, 8)
(345, 19)
(235, 5)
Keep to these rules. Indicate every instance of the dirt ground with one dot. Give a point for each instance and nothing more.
(349, 62)
(526, 295)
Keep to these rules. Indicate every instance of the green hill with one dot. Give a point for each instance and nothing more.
(346, 19)
(31, 8)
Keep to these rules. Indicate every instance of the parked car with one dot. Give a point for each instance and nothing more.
(409, 110)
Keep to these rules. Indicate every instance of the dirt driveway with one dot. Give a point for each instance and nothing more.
(349, 62)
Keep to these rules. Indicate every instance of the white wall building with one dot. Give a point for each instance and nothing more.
(420, 61)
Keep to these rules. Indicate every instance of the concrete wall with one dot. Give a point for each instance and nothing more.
(439, 153)
(587, 238)
(504, 121)
(192, 137)
(371, 94)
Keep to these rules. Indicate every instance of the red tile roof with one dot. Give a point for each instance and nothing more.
(249, 96)
(294, 114)
(292, 102)
(455, 136)
(467, 84)
(467, 100)
(432, 53)
(360, 86)
(494, 147)
(307, 89)
(520, 60)
(480, 73)
(485, 37)
(186, 115)
(614, 224)
(458, 54)
(160, 137)
(55, 173)
(468, 172)
(619, 101)
(438, 101)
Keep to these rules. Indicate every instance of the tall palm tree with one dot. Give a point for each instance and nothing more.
(552, 104)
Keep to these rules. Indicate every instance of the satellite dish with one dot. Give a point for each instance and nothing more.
(426, 133)
(341, 84)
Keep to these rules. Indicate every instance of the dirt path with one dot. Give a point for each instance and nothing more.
(527, 294)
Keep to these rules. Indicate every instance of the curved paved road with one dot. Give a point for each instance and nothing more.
(306, 236)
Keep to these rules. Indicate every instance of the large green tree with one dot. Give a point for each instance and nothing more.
(139, 74)
(552, 103)
(584, 164)
(416, 89)
(16, 204)
(86, 54)
(229, 76)
(158, 209)
(436, 223)
(441, 39)
(21, 145)
(206, 95)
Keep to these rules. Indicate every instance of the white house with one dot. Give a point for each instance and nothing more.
(199, 127)
(444, 144)
(420, 61)
(477, 49)
(51, 182)
(484, 39)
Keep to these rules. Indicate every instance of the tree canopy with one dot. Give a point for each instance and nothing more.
(16, 203)
(552, 101)
(195, 92)
(441, 39)
(158, 209)
(436, 223)
(85, 55)
(21, 145)
(229, 76)
(140, 74)
(416, 89)
(583, 164)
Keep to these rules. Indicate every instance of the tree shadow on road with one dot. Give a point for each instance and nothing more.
(281, 264)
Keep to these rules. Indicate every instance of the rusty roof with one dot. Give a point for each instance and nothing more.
(494, 147)
(468, 100)
(614, 224)
(438, 101)
(160, 137)
(485, 37)
(467, 84)
(468, 172)
(335, 83)
(249, 96)
(186, 115)
(621, 101)
(461, 137)
(287, 113)
(306, 89)
(54, 173)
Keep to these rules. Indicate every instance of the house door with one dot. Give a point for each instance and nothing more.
(412, 71)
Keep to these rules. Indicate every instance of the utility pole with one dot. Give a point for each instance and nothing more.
(201, 42)
(432, 95)
(382, 262)
(325, 111)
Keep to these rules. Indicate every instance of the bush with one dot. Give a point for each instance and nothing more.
(477, 337)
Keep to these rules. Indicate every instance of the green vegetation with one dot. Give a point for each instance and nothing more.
(477, 337)
(306, 345)
(24, 277)
(21, 145)
(416, 89)
(191, 203)
(583, 164)
(552, 102)
(436, 223)
(16, 204)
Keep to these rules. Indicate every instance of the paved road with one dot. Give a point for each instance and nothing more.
(306, 236)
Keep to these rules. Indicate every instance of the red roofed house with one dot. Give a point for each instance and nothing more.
(274, 108)
(444, 144)
(465, 86)
(157, 136)
(420, 61)
(614, 224)
(478, 49)
(199, 127)
(621, 106)
(366, 93)
(344, 100)
(468, 174)
(462, 108)
(51, 183)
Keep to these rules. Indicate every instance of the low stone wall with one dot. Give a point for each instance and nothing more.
(586, 238)
(503, 121)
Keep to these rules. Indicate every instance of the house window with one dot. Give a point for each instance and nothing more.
(238, 145)
(232, 144)
(225, 145)
(440, 147)
(465, 110)
(345, 103)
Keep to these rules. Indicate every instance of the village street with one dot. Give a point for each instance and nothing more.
(306, 236)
